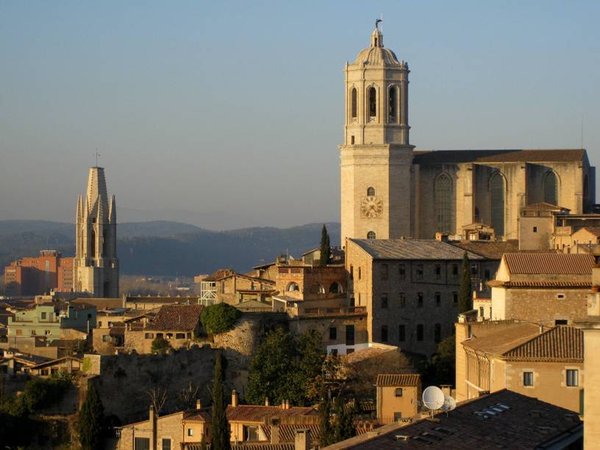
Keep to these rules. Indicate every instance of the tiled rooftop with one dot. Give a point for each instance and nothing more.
(503, 419)
(549, 263)
(398, 379)
(176, 318)
(556, 344)
(489, 249)
(258, 413)
(413, 249)
(507, 337)
(515, 155)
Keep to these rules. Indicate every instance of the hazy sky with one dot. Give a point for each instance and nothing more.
(228, 114)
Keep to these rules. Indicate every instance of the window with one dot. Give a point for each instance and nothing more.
(497, 194)
(402, 300)
(443, 193)
(551, 188)
(393, 104)
(437, 333)
(372, 95)
(19, 332)
(349, 334)
(292, 287)
(370, 191)
(148, 335)
(371, 235)
(44, 315)
(455, 298)
(535, 229)
(474, 269)
(438, 271)
(384, 333)
(140, 443)
(572, 377)
(560, 296)
(352, 139)
(397, 416)
(419, 299)
(359, 273)
(420, 332)
(384, 301)
(455, 270)
(438, 299)
(398, 392)
(250, 432)
(402, 271)
(558, 322)
(166, 444)
(335, 288)
(419, 271)
(401, 333)
(179, 335)
(332, 333)
(384, 271)
(527, 378)
(354, 106)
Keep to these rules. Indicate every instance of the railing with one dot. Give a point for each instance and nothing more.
(332, 311)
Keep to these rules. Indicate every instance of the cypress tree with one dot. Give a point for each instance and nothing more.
(91, 418)
(325, 247)
(465, 295)
(220, 425)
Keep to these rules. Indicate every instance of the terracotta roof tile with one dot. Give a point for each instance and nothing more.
(398, 379)
(176, 318)
(571, 284)
(556, 344)
(287, 432)
(412, 249)
(504, 339)
(258, 413)
(550, 263)
(489, 249)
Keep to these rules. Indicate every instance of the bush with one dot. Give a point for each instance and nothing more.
(219, 318)
(160, 346)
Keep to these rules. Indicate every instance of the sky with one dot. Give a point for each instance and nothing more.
(228, 114)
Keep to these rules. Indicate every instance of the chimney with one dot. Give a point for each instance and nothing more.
(302, 440)
(152, 420)
(275, 431)
(198, 404)
(234, 398)
(266, 401)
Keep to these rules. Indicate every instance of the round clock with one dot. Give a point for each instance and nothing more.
(371, 206)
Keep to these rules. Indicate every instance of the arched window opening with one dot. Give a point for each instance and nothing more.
(371, 235)
(370, 191)
(292, 287)
(320, 289)
(444, 204)
(393, 104)
(497, 200)
(372, 94)
(551, 188)
(354, 103)
(335, 288)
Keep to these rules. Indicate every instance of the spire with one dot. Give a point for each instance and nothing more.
(376, 35)
(79, 212)
(112, 210)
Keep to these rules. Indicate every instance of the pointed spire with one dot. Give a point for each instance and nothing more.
(112, 210)
(79, 211)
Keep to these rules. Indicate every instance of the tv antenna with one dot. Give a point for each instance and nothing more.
(433, 398)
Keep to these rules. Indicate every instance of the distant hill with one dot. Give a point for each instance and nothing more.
(169, 248)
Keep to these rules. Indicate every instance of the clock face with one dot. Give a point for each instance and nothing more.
(371, 206)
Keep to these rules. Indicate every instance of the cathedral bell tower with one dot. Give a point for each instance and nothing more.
(376, 157)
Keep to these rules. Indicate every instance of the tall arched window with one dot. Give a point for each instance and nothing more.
(372, 95)
(354, 105)
(371, 235)
(444, 204)
(393, 104)
(497, 200)
(551, 188)
(371, 191)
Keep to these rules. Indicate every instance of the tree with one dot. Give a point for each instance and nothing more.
(219, 318)
(160, 345)
(285, 367)
(91, 418)
(325, 247)
(465, 295)
(220, 425)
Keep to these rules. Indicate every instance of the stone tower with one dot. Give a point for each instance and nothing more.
(376, 156)
(96, 267)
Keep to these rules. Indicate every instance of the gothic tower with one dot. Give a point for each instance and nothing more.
(96, 267)
(376, 156)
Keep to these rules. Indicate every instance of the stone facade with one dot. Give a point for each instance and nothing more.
(96, 267)
(388, 190)
(398, 397)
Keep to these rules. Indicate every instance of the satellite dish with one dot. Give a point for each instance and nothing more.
(449, 404)
(433, 398)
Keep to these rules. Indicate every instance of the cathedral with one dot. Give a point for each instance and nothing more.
(390, 190)
(96, 267)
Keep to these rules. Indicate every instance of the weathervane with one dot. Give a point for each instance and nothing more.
(377, 23)
(96, 155)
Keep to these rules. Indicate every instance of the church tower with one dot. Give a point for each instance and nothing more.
(96, 267)
(376, 156)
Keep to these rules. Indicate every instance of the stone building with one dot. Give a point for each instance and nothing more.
(520, 356)
(546, 288)
(409, 288)
(39, 275)
(388, 190)
(96, 267)
(398, 396)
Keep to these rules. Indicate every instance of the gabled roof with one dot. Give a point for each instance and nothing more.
(287, 432)
(506, 338)
(549, 263)
(503, 419)
(176, 318)
(483, 156)
(412, 249)
(557, 344)
(398, 379)
(592, 230)
(258, 413)
(488, 249)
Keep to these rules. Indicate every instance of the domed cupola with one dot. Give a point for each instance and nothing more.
(377, 54)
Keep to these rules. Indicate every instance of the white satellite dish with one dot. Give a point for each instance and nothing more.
(433, 398)
(449, 404)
